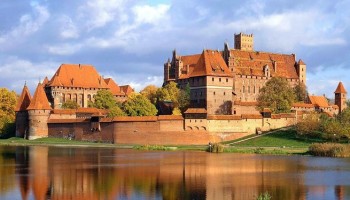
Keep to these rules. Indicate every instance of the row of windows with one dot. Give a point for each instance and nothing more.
(253, 91)
(213, 79)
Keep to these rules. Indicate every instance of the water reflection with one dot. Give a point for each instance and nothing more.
(79, 173)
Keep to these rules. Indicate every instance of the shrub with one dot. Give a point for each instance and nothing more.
(152, 147)
(216, 148)
(264, 196)
(330, 150)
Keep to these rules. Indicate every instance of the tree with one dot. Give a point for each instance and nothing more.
(150, 92)
(139, 105)
(276, 95)
(8, 100)
(104, 99)
(70, 105)
(184, 98)
(309, 126)
(116, 111)
(300, 91)
(169, 92)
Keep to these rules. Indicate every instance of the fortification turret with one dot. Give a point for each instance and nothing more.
(340, 97)
(38, 112)
(22, 120)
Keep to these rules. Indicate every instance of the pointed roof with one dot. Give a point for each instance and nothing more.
(46, 81)
(39, 100)
(211, 63)
(301, 62)
(127, 89)
(340, 88)
(24, 100)
(113, 86)
(77, 75)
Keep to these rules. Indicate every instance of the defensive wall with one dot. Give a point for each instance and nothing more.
(164, 129)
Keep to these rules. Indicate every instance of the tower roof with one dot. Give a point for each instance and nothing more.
(340, 88)
(24, 100)
(210, 63)
(39, 101)
(301, 62)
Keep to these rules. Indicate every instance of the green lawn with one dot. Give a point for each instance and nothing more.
(281, 138)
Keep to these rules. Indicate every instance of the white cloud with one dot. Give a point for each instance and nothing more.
(67, 28)
(64, 49)
(28, 25)
(98, 13)
(150, 14)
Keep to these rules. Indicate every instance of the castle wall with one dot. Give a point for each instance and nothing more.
(22, 124)
(219, 95)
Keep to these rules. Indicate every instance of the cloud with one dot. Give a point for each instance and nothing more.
(28, 25)
(150, 14)
(64, 49)
(67, 28)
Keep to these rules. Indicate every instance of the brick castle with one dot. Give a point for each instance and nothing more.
(224, 86)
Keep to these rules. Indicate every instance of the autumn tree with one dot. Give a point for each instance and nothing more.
(276, 95)
(179, 97)
(184, 98)
(70, 105)
(139, 105)
(150, 92)
(8, 100)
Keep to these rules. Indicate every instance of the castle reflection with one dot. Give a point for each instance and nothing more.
(99, 173)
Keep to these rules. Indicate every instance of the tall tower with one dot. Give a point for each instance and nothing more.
(340, 97)
(22, 113)
(244, 42)
(38, 111)
(301, 69)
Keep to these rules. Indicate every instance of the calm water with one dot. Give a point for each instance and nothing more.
(79, 173)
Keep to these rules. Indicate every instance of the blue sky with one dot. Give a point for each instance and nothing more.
(130, 40)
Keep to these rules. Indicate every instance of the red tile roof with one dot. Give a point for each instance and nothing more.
(170, 117)
(301, 62)
(77, 75)
(319, 101)
(113, 86)
(135, 119)
(210, 63)
(251, 116)
(303, 105)
(24, 100)
(340, 88)
(67, 121)
(252, 63)
(39, 100)
(127, 89)
(224, 117)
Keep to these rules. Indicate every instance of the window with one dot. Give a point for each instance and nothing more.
(219, 79)
(224, 93)
(212, 79)
(248, 89)
(243, 89)
(226, 80)
(214, 93)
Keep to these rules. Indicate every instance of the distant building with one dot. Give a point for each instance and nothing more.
(80, 83)
(228, 82)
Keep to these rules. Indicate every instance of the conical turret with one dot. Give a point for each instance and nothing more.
(340, 97)
(22, 113)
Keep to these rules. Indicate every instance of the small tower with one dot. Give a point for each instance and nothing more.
(301, 69)
(22, 120)
(38, 112)
(340, 97)
(244, 42)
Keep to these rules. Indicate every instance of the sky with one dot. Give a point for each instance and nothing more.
(130, 41)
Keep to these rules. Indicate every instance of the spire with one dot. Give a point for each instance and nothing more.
(301, 62)
(39, 100)
(340, 89)
(24, 100)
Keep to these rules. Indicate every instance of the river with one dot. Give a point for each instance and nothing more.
(42, 172)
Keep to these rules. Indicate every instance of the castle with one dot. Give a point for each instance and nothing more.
(224, 86)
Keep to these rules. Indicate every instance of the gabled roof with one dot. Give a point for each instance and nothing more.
(39, 100)
(319, 101)
(77, 75)
(252, 63)
(127, 89)
(210, 63)
(113, 86)
(340, 89)
(196, 111)
(46, 81)
(189, 61)
(24, 100)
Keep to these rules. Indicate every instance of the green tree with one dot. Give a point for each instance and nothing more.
(104, 99)
(8, 100)
(150, 92)
(309, 126)
(276, 95)
(70, 105)
(169, 92)
(300, 92)
(116, 111)
(139, 105)
(184, 98)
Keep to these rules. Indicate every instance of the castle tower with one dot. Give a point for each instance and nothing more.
(340, 97)
(244, 42)
(301, 69)
(38, 112)
(22, 120)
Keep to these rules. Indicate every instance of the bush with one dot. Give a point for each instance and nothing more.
(216, 148)
(152, 147)
(330, 150)
(264, 196)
